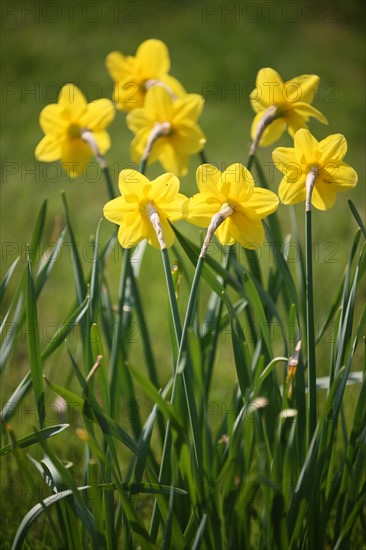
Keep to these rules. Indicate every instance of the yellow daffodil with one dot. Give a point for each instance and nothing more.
(133, 76)
(166, 129)
(142, 203)
(233, 196)
(323, 159)
(281, 104)
(64, 123)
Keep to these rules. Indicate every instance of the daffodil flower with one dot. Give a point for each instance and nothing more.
(166, 130)
(75, 130)
(133, 76)
(314, 170)
(231, 204)
(145, 209)
(280, 105)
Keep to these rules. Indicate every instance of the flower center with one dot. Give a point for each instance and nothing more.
(74, 130)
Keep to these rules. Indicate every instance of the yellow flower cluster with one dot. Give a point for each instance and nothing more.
(163, 118)
(162, 115)
(231, 193)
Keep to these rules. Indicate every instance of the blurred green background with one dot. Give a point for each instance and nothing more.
(216, 49)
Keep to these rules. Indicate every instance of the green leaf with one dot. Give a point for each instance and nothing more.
(256, 304)
(37, 233)
(4, 283)
(61, 333)
(93, 412)
(156, 396)
(289, 285)
(31, 439)
(260, 378)
(78, 270)
(357, 217)
(34, 351)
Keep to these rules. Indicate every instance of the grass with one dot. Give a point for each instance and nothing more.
(217, 54)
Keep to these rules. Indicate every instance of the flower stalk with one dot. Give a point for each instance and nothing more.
(216, 221)
(310, 329)
(154, 219)
(89, 138)
(267, 118)
(156, 82)
(159, 129)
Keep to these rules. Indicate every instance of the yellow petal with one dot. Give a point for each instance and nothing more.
(200, 208)
(138, 145)
(306, 111)
(236, 183)
(263, 201)
(295, 122)
(208, 179)
(333, 149)
(120, 66)
(187, 107)
(188, 138)
(132, 181)
(341, 176)
(53, 119)
(171, 159)
(75, 156)
(273, 131)
(132, 231)
(302, 88)
(99, 114)
(103, 141)
(284, 159)
(307, 148)
(73, 100)
(49, 149)
(160, 104)
(223, 233)
(246, 228)
(129, 94)
(292, 192)
(116, 209)
(174, 84)
(324, 195)
(269, 87)
(153, 57)
(164, 193)
(139, 118)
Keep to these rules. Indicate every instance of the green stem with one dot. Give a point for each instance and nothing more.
(250, 162)
(213, 344)
(203, 157)
(117, 348)
(142, 166)
(190, 309)
(108, 182)
(171, 294)
(310, 330)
